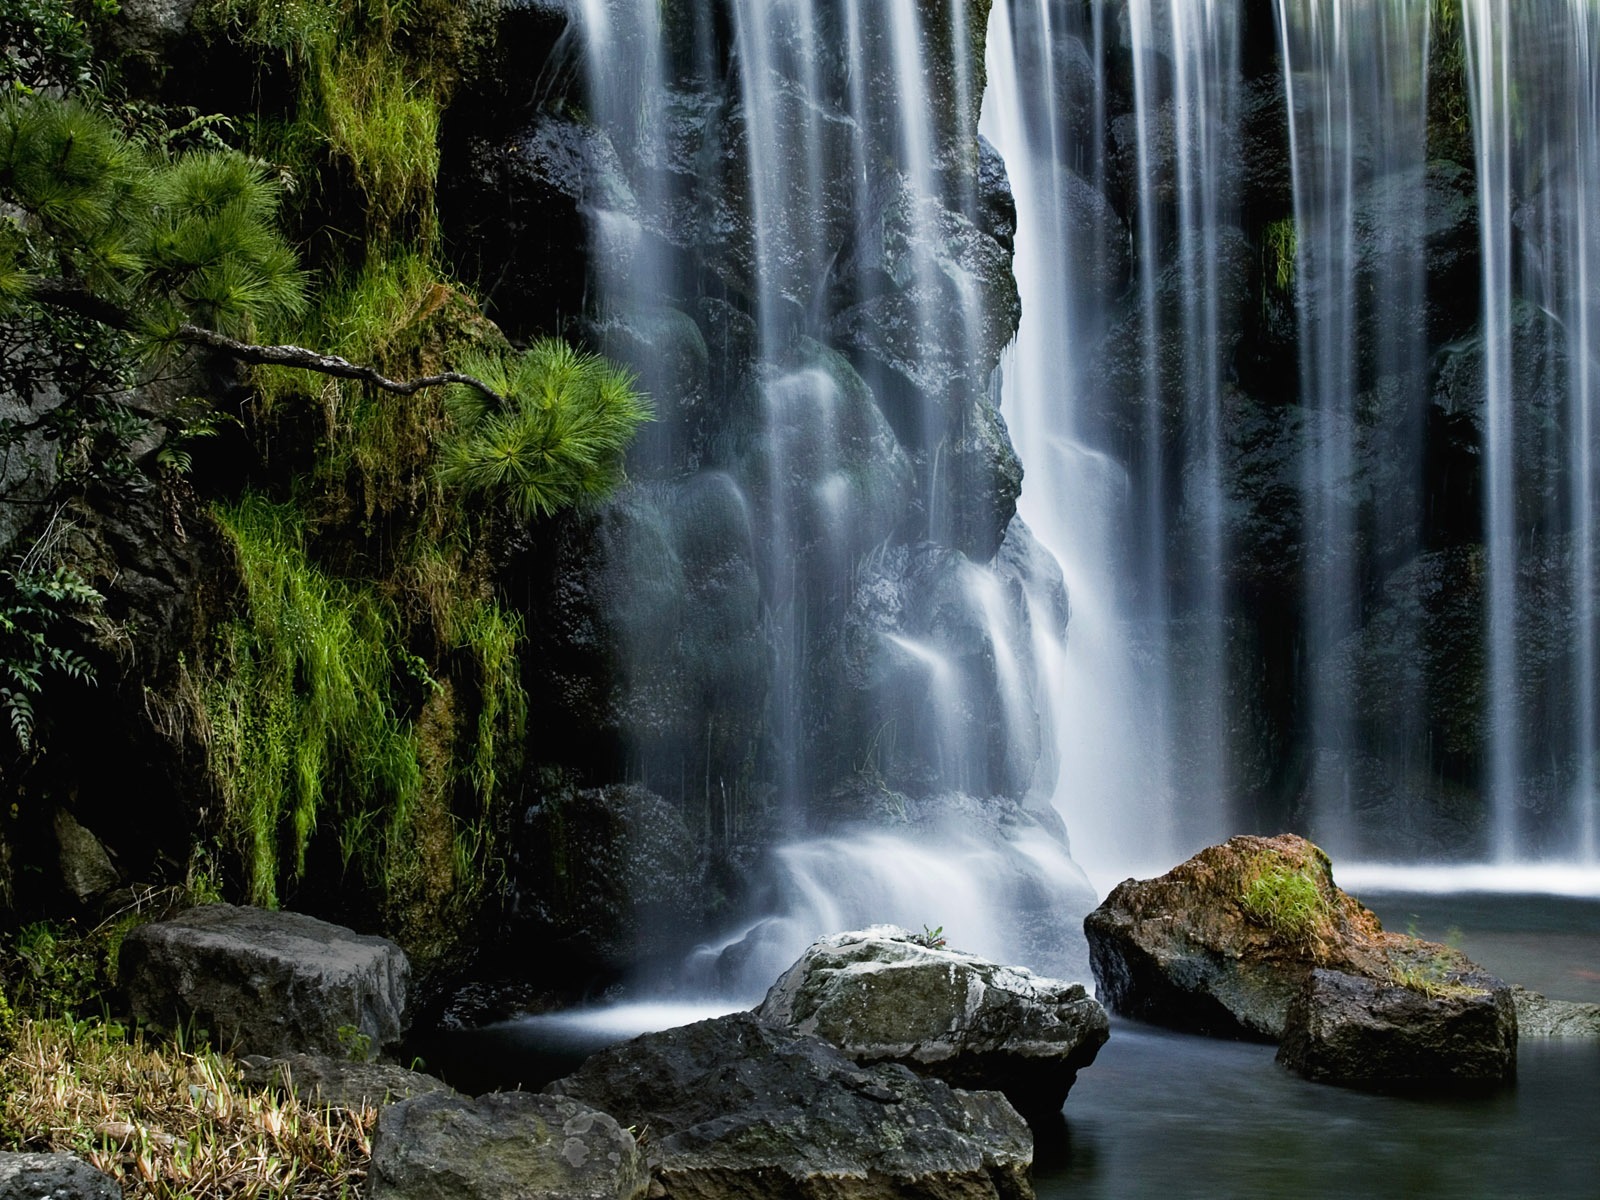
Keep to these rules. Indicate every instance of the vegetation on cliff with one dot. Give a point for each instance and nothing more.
(352, 685)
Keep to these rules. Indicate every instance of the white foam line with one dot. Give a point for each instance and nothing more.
(1539, 879)
(628, 1020)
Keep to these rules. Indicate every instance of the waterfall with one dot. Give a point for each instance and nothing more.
(826, 618)
(1346, 598)
(1356, 90)
(1537, 137)
(1292, 314)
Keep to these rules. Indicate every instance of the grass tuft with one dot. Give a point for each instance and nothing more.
(1290, 903)
(173, 1124)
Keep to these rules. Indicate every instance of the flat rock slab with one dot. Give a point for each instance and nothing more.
(1541, 1017)
(880, 995)
(269, 983)
(736, 1109)
(53, 1177)
(340, 1083)
(1351, 1030)
(504, 1146)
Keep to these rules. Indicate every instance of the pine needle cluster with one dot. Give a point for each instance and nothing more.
(558, 439)
(164, 241)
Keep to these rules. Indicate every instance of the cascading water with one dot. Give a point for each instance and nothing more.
(1129, 501)
(1356, 90)
(1533, 89)
(807, 205)
(1332, 596)
(1327, 524)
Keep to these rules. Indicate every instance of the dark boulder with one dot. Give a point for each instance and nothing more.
(504, 1146)
(271, 983)
(1224, 943)
(737, 1109)
(1459, 1030)
(53, 1177)
(881, 995)
(86, 869)
(341, 1083)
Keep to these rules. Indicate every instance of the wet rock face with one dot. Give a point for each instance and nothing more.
(737, 1109)
(608, 877)
(1361, 1032)
(820, 362)
(503, 1146)
(1416, 673)
(881, 996)
(1224, 943)
(49, 1176)
(534, 211)
(270, 983)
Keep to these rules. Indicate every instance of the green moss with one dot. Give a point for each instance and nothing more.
(301, 704)
(1280, 245)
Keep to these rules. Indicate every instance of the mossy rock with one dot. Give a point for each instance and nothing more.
(1224, 943)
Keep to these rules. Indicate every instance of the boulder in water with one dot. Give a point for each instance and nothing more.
(270, 983)
(1458, 1030)
(1224, 943)
(737, 1109)
(883, 995)
(1541, 1017)
(504, 1146)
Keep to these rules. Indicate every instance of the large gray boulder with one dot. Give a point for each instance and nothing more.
(340, 1083)
(270, 983)
(737, 1109)
(53, 1177)
(882, 996)
(504, 1146)
(1362, 1032)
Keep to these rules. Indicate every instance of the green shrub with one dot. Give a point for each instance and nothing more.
(31, 607)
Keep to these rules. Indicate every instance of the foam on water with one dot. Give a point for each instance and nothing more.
(1536, 879)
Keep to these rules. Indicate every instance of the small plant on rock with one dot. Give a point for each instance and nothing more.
(31, 604)
(1289, 903)
(932, 939)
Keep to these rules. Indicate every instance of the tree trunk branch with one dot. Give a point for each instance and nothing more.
(72, 297)
(324, 364)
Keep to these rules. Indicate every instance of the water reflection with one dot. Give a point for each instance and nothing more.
(1169, 1115)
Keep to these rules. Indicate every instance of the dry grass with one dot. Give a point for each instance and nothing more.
(170, 1124)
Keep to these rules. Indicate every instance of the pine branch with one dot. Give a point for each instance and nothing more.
(72, 297)
(324, 364)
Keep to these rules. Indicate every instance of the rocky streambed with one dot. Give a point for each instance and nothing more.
(884, 1064)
